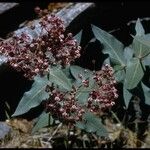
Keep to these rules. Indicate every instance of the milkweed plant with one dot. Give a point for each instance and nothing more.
(70, 93)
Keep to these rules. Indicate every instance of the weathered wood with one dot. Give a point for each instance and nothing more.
(68, 14)
(7, 6)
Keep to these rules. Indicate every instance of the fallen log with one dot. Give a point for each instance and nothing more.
(67, 14)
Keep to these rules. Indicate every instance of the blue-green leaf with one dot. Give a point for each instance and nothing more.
(127, 96)
(80, 125)
(128, 53)
(117, 68)
(83, 92)
(141, 46)
(76, 71)
(58, 77)
(139, 28)
(92, 123)
(107, 61)
(68, 74)
(37, 93)
(134, 73)
(43, 121)
(78, 37)
(146, 60)
(146, 91)
(119, 75)
(112, 46)
(33, 97)
(147, 36)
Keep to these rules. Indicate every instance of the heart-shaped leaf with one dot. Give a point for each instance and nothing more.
(141, 46)
(134, 73)
(119, 73)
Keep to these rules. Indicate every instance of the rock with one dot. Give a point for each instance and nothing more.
(4, 130)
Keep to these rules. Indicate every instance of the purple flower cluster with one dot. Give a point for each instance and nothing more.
(105, 94)
(55, 47)
(52, 47)
(65, 106)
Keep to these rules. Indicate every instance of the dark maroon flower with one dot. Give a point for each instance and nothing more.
(66, 107)
(52, 47)
(104, 96)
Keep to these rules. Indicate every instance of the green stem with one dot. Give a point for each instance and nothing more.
(144, 56)
(142, 65)
(114, 115)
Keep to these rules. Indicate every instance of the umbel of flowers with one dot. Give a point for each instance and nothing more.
(65, 106)
(53, 47)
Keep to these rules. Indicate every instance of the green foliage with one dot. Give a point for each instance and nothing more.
(141, 47)
(42, 121)
(37, 93)
(76, 70)
(92, 124)
(112, 46)
(129, 63)
(127, 96)
(134, 73)
(120, 75)
(78, 37)
(139, 28)
(33, 97)
(64, 79)
(58, 77)
(83, 92)
(146, 91)
(128, 53)
(146, 60)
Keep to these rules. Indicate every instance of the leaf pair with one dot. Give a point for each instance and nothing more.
(128, 63)
(120, 58)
